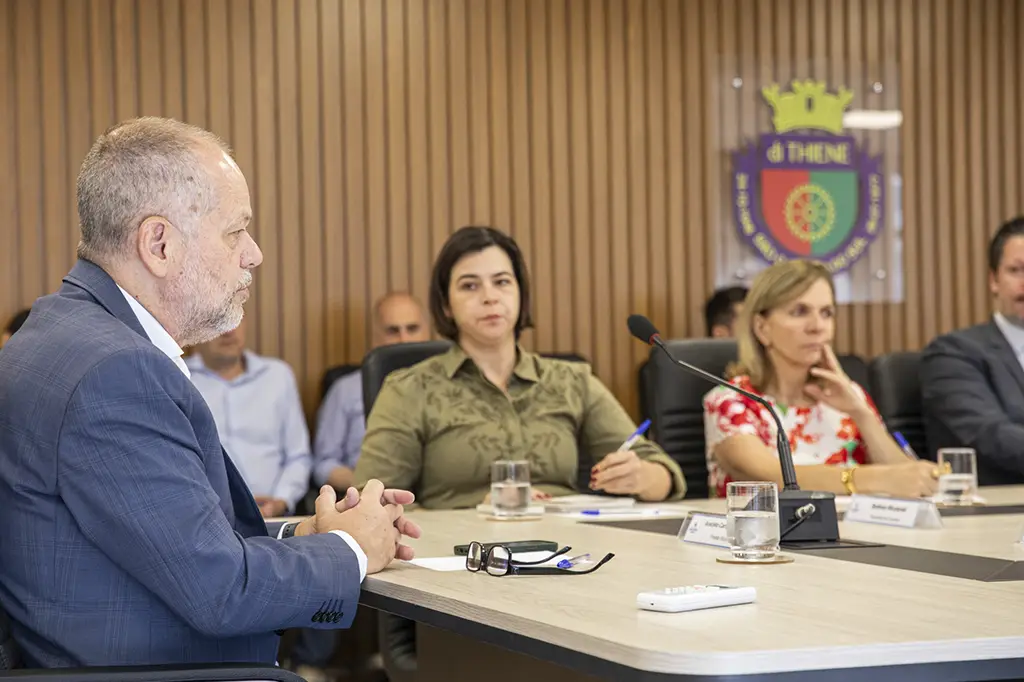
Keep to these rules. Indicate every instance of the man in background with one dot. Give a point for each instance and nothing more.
(397, 318)
(972, 380)
(255, 402)
(12, 326)
(722, 310)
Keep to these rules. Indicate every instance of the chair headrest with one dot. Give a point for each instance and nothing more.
(383, 360)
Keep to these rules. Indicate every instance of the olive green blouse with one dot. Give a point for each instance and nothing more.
(436, 427)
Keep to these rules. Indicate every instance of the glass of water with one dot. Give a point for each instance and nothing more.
(510, 487)
(752, 520)
(958, 476)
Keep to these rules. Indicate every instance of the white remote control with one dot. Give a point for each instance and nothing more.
(694, 597)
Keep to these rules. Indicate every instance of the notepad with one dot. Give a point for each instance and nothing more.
(576, 503)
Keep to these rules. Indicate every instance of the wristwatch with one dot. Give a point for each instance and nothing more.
(288, 530)
(846, 476)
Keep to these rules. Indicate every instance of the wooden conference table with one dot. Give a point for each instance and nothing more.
(822, 617)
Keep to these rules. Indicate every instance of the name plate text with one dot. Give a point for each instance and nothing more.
(891, 511)
(700, 528)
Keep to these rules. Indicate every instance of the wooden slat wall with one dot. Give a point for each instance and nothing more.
(593, 130)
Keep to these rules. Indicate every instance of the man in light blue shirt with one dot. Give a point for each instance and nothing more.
(255, 403)
(397, 318)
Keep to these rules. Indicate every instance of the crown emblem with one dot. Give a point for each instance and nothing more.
(807, 106)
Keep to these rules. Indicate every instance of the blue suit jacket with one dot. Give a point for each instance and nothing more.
(126, 534)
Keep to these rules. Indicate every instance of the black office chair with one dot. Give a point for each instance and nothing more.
(383, 360)
(10, 669)
(674, 403)
(896, 390)
(333, 374)
(642, 380)
(857, 369)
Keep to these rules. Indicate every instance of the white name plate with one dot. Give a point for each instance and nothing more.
(700, 528)
(892, 511)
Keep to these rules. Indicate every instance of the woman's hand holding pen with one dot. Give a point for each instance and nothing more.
(619, 473)
(623, 473)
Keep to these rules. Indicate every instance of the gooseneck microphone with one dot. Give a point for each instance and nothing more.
(806, 516)
(644, 329)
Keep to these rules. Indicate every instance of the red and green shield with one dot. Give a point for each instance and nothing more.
(810, 213)
(808, 196)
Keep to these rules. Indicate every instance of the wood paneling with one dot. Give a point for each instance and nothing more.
(595, 131)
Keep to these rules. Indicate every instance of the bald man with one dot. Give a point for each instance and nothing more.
(397, 318)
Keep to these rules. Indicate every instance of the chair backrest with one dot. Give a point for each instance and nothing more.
(857, 369)
(10, 658)
(333, 374)
(896, 389)
(674, 403)
(642, 379)
(383, 360)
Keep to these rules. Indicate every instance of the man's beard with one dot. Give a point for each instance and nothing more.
(201, 317)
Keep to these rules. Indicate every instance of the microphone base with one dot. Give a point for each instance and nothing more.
(821, 526)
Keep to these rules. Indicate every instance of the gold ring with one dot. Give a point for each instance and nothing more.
(935, 472)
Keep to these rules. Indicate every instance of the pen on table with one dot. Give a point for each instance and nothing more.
(619, 512)
(904, 445)
(631, 441)
(569, 563)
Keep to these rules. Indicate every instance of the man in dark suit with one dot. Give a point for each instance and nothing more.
(129, 537)
(973, 379)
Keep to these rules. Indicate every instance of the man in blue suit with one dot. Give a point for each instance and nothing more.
(128, 536)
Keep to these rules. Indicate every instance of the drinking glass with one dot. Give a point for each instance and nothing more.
(752, 520)
(958, 476)
(510, 487)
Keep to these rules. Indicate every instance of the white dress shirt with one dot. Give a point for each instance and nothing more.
(159, 337)
(1014, 336)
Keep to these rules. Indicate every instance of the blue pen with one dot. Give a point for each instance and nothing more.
(904, 445)
(631, 441)
(620, 512)
(569, 563)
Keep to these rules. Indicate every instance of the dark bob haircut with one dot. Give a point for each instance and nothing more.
(463, 242)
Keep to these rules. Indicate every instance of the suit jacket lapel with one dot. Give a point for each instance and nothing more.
(1006, 353)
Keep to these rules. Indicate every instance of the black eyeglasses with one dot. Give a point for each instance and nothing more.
(497, 560)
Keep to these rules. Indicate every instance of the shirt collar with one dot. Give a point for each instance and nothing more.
(158, 336)
(526, 363)
(1014, 334)
(254, 365)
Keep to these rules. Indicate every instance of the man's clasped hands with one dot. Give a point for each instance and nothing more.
(374, 519)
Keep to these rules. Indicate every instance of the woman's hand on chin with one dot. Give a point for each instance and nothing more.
(834, 388)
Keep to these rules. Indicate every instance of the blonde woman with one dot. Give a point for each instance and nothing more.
(839, 442)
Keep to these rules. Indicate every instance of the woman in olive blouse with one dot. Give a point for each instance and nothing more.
(436, 427)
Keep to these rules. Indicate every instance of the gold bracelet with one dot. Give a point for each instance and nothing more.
(846, 476)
